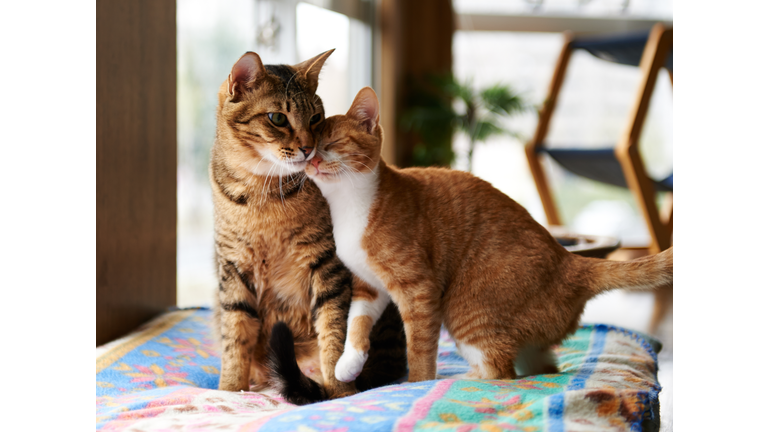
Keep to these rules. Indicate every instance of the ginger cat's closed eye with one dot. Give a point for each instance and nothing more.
(451, 249)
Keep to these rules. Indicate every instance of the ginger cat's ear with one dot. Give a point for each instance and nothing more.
(365, 108)
(310, 69)
(245, 73)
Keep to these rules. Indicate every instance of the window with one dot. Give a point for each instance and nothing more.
(211, 37)
(592, 110)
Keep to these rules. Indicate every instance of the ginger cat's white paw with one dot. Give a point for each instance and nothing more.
(350, 365)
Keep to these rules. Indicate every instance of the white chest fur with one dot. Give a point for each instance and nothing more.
(350, 200)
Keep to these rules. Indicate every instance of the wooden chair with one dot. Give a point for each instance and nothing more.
(620, 165)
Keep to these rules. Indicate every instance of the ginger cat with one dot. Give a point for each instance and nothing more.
(450, 248)
(275, 255)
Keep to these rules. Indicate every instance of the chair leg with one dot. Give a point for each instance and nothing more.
(656, 50)
(662, 305)
(627, 149)
(666, 215)
(663, 297)
(542, 186)
(542, 127)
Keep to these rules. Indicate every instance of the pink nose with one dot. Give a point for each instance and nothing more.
(316, 161)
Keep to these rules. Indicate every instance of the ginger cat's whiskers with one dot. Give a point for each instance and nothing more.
(361, 154)
(358, 171)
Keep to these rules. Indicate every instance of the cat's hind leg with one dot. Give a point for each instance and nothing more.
(536, 360)
(476, 359)
(507, 363)
(487, 363)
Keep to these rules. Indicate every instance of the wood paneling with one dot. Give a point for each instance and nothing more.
(136, 163)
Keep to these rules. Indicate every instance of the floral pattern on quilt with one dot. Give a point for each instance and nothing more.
(164, 377)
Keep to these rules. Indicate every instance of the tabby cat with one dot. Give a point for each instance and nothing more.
(450, 248)
(275, 254)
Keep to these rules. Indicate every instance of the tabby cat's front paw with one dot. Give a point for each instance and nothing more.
(350, 365)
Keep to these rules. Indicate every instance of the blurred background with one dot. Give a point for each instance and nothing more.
(396, 46)
(460, 84)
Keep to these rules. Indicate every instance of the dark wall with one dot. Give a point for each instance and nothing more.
(135, 163)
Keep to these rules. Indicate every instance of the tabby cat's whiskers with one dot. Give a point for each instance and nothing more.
(275, 257)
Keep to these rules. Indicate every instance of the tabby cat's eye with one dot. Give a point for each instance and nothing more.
(278, 119)
(315, 118)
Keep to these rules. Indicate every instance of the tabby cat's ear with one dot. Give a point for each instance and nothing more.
(310, 69)
(365, 108)
(245, 73)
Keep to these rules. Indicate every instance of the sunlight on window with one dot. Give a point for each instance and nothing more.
(318, 30)
(592, 111)
(348, 68)
(211, 36)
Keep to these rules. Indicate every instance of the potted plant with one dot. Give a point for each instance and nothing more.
(443, 106)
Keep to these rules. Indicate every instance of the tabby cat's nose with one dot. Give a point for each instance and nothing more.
(306, 150)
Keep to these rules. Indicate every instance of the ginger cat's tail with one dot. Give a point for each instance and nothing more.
(646, 273)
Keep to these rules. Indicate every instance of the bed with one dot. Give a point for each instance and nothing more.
(164, 377)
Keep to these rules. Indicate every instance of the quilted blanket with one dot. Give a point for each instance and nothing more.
(164, 376)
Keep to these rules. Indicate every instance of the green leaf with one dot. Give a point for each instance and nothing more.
(484, 130)
(440, 105)
(501, 100)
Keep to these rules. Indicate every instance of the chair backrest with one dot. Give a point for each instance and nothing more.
(626, 49)
(649, 52)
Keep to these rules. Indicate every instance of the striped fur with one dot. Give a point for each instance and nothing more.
(451, 249)
(275, 254)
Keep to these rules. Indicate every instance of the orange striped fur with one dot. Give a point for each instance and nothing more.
(450, 248)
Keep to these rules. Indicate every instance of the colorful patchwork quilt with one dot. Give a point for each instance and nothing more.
(164, 376)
